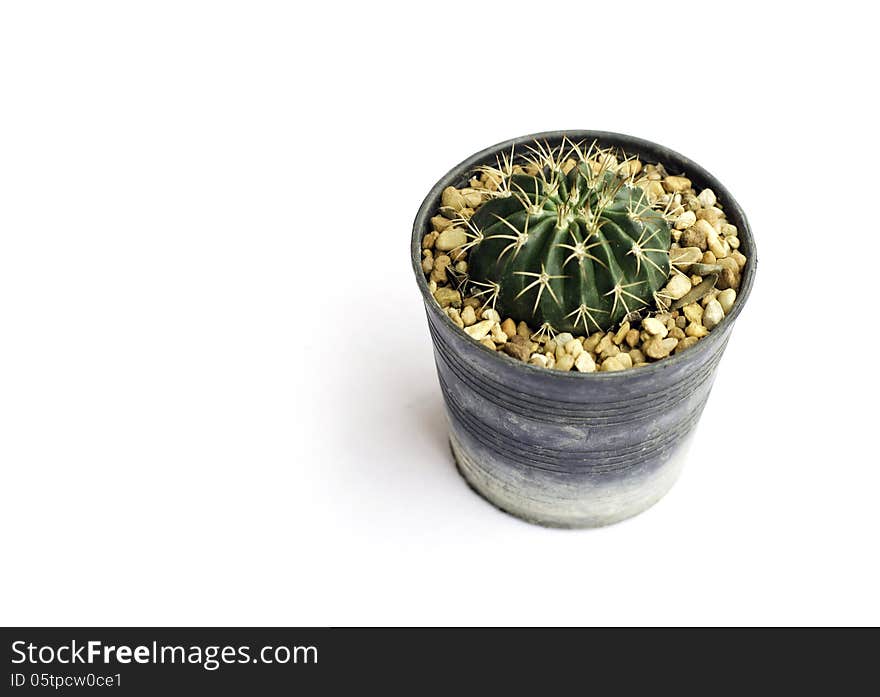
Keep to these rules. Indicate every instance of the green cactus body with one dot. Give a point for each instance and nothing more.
(573, 252)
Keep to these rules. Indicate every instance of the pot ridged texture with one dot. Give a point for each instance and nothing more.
(577, 252)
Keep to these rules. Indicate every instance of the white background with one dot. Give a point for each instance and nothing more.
(218, 402)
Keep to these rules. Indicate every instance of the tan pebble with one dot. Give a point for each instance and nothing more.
(585, 363)
(705, 227)
(630, 168)
(712, 315)
(632, 337)
(712, 215)
(612, 350)
(696, 280)
(523, 330)
(606, 341)
(686, 343)
(739, 258)
(653, 190)
(676, 184)
(654, 327)
(636, 356)
(559, 351)
(693, 312)
(432, 286)
(479, 330)
(660, 348)
(455, 317)
(694, 237)
(729, 230)
(681, 322)
(683, 257)
(450, 238)
(621, 333)
(691, 202)
(592, 342)
(625, 359)
(707, 198)
(696, 330)
(439, 271)
(468, 315)
(720, 248)
(729, 276)
(733, 242)
(447, 297)
(508, 326)
(427, 264)
(709, 258)
(676, 333)
(685, 220)
(461, 267)
(611, 364)
(429, 239)
(574, 348)
(564, 363)
(487, 342)
(498, 336)
(452, 198)
(678, 286)
(551, 361)
(726, 299)
(518, 347)
(489, 313)
(472, 198)
(440, 223)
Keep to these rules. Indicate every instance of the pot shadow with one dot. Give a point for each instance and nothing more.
(393, 434)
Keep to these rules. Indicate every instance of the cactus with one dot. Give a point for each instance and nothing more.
(569, 241)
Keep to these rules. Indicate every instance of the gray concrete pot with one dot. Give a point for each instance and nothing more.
(573, 449)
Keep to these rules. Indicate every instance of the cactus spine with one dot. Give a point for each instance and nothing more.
(569, 241)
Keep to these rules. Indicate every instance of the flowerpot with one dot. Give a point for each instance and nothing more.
(570, 449)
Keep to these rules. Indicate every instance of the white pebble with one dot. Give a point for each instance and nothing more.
(654, 326)
(489, 313)
(707, 198)
(678, 286)
(538, 359)
(685, 220)
(481, 329)
(563, 339)
(726, 298)
(585, 363)
(713, 314)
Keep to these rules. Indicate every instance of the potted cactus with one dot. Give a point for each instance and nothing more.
(580, 288)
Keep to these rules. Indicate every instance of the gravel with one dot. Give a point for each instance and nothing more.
(702, 288)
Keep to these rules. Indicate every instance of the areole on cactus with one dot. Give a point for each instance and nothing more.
(568, 241)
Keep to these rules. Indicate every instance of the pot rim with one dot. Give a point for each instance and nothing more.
(633, 145)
